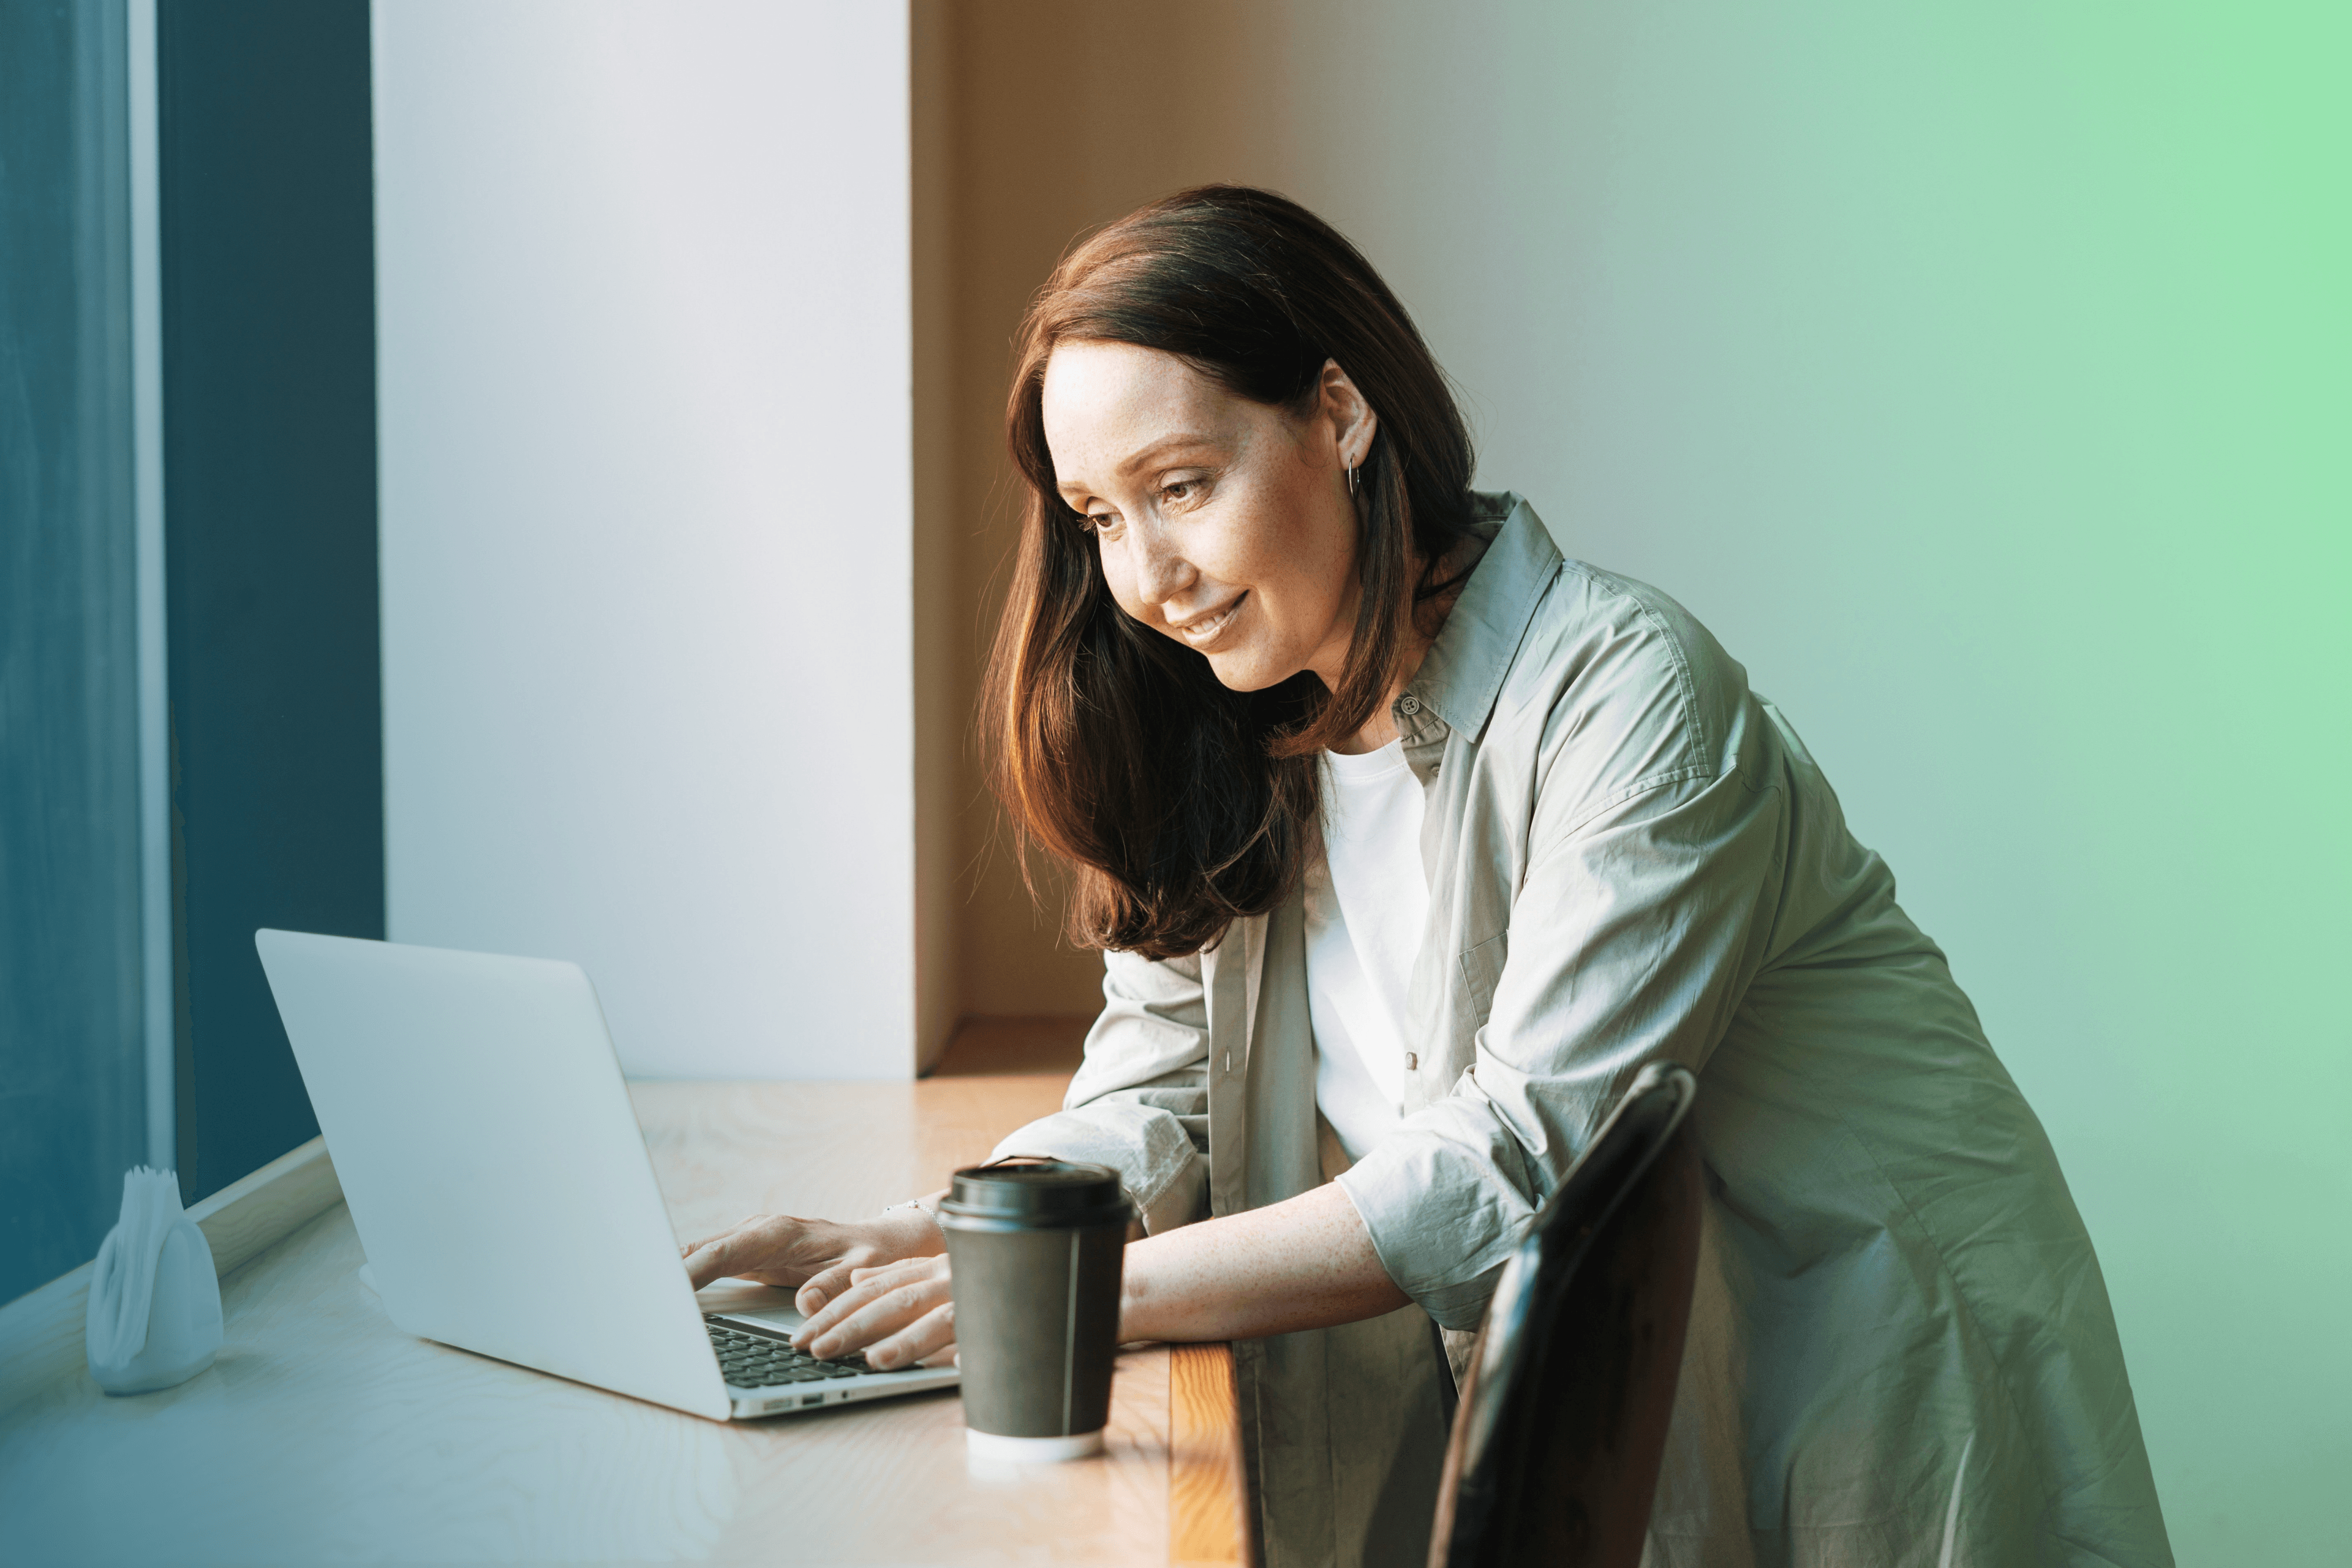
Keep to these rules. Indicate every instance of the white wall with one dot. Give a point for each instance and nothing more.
(643, 379)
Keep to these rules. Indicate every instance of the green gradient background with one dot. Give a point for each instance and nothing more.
(1983, 375)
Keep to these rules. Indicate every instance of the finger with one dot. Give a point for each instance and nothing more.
(865, 1287)
(843, 1300)
(886, 1314)
(713, 1259)
(849, 1303)
(859, 1272)
(850, 1287)
(926, 1336)
(823, 1286)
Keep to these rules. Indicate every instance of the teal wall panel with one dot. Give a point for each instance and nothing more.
(270, 516)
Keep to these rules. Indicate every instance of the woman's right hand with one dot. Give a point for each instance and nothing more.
(813, 1257)
(899, 1314)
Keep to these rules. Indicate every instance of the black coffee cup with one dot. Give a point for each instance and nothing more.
(1035, 1249)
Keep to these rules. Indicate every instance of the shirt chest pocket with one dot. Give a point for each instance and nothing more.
(1480, 969)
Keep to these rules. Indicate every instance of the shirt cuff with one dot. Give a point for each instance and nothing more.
(1164, 1174)
(1442, 1216)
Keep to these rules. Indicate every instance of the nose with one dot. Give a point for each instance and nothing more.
(1161, 573)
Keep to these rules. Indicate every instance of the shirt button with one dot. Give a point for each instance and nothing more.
(1408, 705)
(1412, 1062)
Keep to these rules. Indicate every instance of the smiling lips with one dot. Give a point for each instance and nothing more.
(1203, 630)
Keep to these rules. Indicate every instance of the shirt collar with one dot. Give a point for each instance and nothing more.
(1462, 675)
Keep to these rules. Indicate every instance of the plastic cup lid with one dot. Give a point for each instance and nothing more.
(1035, 1190)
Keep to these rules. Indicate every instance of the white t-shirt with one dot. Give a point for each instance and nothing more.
(1366, 905)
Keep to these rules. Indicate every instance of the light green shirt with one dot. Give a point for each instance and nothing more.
(1901, 1350)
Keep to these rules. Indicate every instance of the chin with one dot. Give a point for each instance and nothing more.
(1243, 671)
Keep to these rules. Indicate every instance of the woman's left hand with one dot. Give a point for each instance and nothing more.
(899, 1314)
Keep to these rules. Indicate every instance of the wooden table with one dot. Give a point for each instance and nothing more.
(325, 1435)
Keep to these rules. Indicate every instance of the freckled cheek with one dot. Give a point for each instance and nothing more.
(1274, 606)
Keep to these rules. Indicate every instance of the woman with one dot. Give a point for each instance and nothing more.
(1409, 842)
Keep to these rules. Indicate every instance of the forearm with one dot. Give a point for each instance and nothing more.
(1306, 1263)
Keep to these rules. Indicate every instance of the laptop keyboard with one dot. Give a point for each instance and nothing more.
(758, 1361)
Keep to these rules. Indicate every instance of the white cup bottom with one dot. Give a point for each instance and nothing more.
(1032, 1450)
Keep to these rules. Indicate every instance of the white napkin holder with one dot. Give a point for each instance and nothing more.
(154, 1297)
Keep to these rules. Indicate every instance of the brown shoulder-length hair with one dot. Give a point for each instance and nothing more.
(1180, 804)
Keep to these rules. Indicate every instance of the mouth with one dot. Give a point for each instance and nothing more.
(1203, 630)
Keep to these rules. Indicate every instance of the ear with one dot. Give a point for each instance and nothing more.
(1353, 423)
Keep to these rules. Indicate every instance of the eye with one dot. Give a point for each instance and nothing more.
(1187, 491)
(1104, 523)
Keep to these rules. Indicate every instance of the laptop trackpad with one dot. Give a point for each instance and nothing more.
(751, 1301)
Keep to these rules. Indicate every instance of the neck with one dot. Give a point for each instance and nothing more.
(1381, 729)
(1429, 620)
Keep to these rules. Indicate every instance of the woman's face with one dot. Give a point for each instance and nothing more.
(1223, 523)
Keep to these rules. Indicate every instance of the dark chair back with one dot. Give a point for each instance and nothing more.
(1563, 1421)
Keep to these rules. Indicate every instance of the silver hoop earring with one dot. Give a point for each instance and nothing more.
(1351, 478)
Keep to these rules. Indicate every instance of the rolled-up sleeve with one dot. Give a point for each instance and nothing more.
(1632, 938)
(1139, 1104)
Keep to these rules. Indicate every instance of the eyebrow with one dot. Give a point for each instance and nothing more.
(1138, 459)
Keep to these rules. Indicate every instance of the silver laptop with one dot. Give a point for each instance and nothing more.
(477, 1122)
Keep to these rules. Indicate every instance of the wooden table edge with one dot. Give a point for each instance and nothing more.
(1208, 1520)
